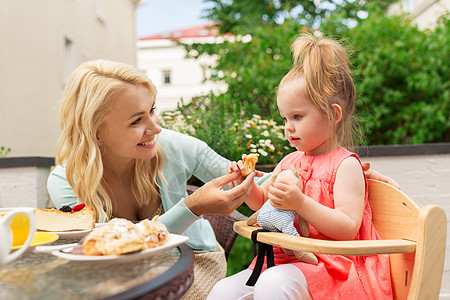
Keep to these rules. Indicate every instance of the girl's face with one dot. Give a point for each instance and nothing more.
(131, 126)
(306, 127)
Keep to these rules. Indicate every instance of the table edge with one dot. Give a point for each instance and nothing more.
(185, 261)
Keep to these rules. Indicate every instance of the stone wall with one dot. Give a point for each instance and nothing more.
(23, 181)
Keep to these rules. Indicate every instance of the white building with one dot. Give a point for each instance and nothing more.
(42, 41)
(424, 12)
(176, 77)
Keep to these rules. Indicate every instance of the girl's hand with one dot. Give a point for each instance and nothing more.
(285, 196)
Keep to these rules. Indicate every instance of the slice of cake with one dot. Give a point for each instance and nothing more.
(80, 217)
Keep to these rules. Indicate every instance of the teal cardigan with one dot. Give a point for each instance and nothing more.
(184, 156)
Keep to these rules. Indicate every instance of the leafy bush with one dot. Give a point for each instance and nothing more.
(252, 67)
(240, 256)
(4, 151)
(228, 134)
(403, 79)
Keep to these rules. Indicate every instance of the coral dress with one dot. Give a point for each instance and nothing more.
(336, 276)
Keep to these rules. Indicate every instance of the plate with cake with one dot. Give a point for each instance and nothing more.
(74, 234)
(122, 241)
(67, 222)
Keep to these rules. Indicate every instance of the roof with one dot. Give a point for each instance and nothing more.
(207, 30)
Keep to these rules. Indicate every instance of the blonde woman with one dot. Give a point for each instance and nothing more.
(114, 156)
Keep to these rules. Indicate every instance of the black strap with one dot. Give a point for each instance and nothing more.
(263, 250)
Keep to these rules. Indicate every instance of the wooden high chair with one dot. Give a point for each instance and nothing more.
(413, 237)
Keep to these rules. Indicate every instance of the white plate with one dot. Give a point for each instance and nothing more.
(172, 240)
(74, 234)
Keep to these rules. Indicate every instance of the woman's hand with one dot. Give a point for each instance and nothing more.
(372, 174)
(236, 167)
(285, 196)
(212, 199)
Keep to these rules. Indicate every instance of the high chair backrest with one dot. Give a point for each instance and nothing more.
(413, 237)
(396, 216)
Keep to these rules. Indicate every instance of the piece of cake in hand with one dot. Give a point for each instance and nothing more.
(250, 164)
(121, 236)
(80, 217)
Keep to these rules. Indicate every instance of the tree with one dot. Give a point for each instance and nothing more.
(254, 61)
(242, 17)
(403, 79)
(401, 73)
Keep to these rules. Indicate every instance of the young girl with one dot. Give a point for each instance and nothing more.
(316, 100)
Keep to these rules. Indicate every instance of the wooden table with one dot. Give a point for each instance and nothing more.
(45, 276)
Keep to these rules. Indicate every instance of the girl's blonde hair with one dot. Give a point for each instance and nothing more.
(85, 104)
(324, 65)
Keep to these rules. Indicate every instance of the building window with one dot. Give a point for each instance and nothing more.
(167, 78)
(410, 5)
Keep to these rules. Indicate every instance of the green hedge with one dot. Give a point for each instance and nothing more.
(403, 79)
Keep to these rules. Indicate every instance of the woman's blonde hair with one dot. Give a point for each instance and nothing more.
(85, 104)
(324, 65)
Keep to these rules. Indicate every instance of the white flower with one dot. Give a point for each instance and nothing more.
(265, 133)
(262, 152)
(249, 136)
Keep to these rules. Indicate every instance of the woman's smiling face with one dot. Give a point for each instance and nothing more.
(131, 126)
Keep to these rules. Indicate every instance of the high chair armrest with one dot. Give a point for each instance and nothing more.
(366, 247)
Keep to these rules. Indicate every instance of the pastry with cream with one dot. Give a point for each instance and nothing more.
(121, 236)
(250, 164)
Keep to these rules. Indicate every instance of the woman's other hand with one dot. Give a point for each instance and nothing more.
(372, 174)
(212, 199)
